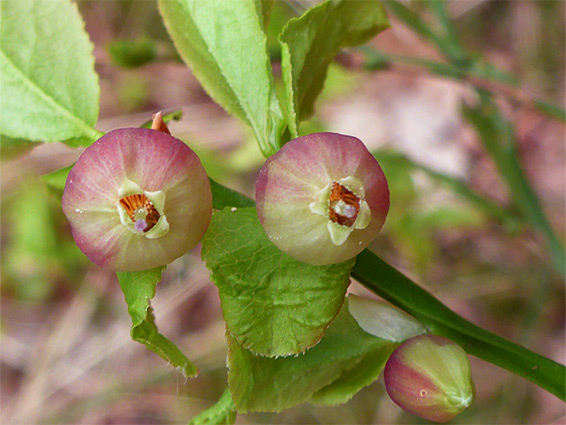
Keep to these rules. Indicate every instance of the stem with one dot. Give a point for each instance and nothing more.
(390, 284)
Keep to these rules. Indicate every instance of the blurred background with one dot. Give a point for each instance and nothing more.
(454, 224)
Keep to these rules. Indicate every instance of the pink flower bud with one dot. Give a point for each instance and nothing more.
(430, 376)
(322, 198)
(137, 199)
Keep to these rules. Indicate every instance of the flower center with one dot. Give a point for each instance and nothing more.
(343, 205)
(141, 211)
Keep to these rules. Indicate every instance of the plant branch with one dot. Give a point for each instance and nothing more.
(392, 285)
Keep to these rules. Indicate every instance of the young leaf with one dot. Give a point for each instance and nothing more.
(139, 288)
(309, 43)
(224, 44)
(273, 304)
(221, 413)
(324, 373)
(49, 88)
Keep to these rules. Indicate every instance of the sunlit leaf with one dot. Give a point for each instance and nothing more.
(273, 304)
(346, 360)
(309, 43)
(224, 45)
(49, 88)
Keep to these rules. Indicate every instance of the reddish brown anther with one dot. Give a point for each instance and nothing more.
(138, 206)
(343, 206)
(158, 123)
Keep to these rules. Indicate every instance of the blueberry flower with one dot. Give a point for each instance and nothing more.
(322, 198)
(137, 199)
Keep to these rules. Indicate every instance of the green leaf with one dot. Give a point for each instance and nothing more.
(551, 110)
(49, 88)
(223, 197)
(273, 304)
(224, 44)
(56, 180)
(329, 373)
(309, 43)
(13, 148)
(221, 413)
(263, 10)
(131, 54)
(446, 43)
(139, 288)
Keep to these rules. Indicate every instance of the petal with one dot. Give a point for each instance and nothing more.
(288, 189)
(166, 170)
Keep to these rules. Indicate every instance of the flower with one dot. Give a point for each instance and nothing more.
(430, 376)
(322, 198)
(137, 199)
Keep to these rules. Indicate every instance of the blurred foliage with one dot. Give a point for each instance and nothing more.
(132, 54)
(37, 250)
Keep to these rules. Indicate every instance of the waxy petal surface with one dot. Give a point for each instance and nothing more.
(155, 161)
(289, 182)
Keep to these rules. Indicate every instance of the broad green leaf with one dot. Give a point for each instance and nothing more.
(11, 148)
(139, 289)
(221, 413)
(49, 88)
(223, 197)
(273, 304)
(309, 43)
(224, 45)
(263, 384)
(366, 370)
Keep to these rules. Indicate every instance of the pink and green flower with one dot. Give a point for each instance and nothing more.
(137, 199)
(322, 198)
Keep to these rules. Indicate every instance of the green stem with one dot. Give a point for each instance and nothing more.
(390, 284)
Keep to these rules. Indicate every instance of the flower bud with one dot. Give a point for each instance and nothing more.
(322, 198)
(430, 376)
(137, 199)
